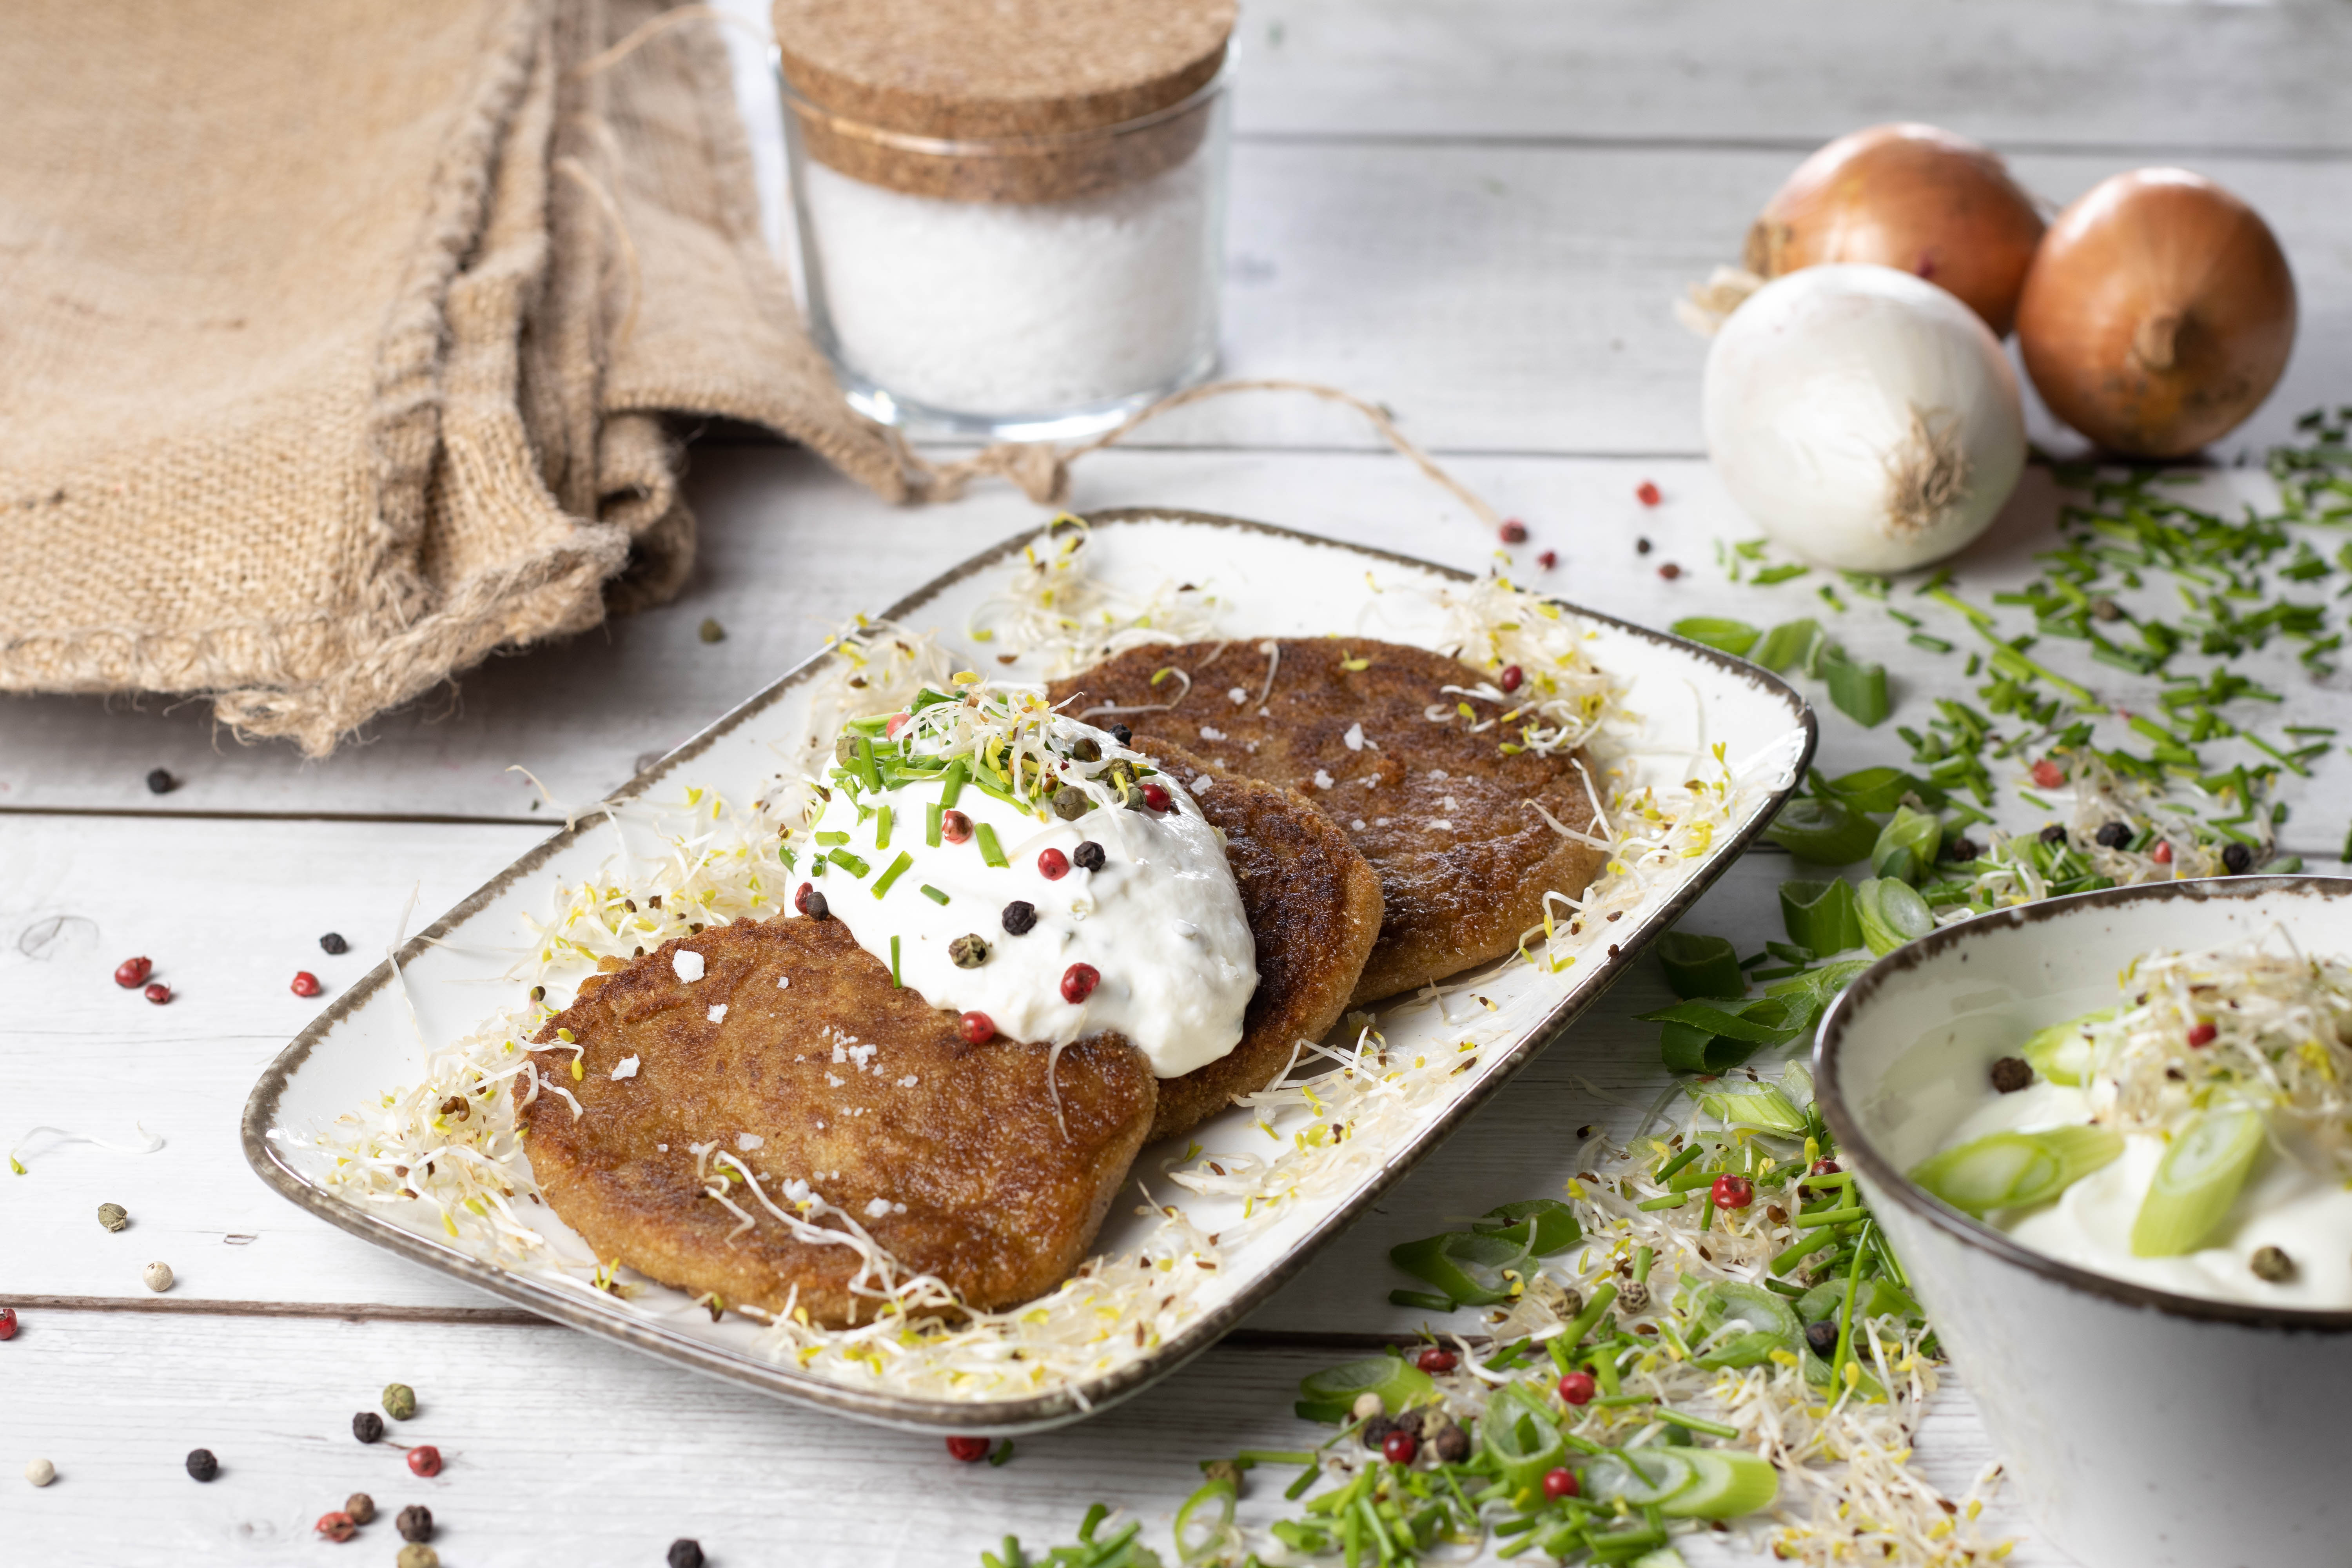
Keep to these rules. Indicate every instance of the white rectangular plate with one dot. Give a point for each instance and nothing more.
(1271, 582)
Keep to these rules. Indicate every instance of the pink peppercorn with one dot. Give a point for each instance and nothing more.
(1515, 531)
(425, 1459)
(1398, 1446)
(133, 973)
(1647, 493)
(976, 1028)
(1078, 982)
(1559, 1484)
(158, 993)
(1157, 797)
(1053, 864)
(1512, 676)
(305, 984)
(1437, 1358)
(971, 1450)
(1577, 1387)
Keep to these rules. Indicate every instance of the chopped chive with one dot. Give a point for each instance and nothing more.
(894, 961)
(882, 828)
(985, 836)
(933, 894)
(882, 883)
(1678, 1161)
(1671, 1201)
(1780, 573)
(1932, 644)
(864, 767)
(957, 773)
(1696, 1422)
(847, 862)
(1833, 1216)
(1426, 1300)
(831, 838)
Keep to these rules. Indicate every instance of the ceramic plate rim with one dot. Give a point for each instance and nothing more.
(1075, 1400)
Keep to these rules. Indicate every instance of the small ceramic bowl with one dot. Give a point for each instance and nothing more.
(2143, 1429)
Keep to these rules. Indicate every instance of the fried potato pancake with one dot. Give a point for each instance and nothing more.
(1314, 908)
(1443, 815)
(794, 1054)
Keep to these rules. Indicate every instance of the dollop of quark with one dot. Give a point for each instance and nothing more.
(1160, 922)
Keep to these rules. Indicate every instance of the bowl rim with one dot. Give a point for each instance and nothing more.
(1855, 1149)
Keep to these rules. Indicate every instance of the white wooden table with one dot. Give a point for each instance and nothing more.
(1478, 212)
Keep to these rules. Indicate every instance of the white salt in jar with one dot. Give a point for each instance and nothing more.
(1011, 212)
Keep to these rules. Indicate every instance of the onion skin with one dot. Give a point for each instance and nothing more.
(1912, 198)
(2159, 315)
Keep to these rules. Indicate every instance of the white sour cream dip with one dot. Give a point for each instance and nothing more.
(1162, 923)
(2286, 1203)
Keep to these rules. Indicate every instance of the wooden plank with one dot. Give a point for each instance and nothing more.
(2016, 72)
(228, 912)
(558, 1449)
(789, 549)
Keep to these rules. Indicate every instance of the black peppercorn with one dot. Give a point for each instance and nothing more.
(1452, 1443)
(1961, 849)
(818, 910)
(1122, 734)
(1020, 917)
(1377, 1430)
(415, 1523)
(685, 1553)
(2114, 835)
(333, 942)
(161, 781)
(201, 1464)
(2011, 1074)
(1822, 1336)
(2054, 833)
(368, 1426)
(2236, 859)
(1087, 856)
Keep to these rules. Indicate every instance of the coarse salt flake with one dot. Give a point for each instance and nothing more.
(1354, 737)
(747, 1142)
(1323, 780)
(687, 964)
(1210, 732)
(1237, 696)
(1358, 824)
(717, 1011)
(626, 1067)
(784, 982)
(908, 1081)
(878, 1208)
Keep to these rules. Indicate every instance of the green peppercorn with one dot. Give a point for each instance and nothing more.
(1086, 750)
(417, 1554)
(711, 631)
(968, 951)
(1070, 803)
(399, 1401)
(844, 750)
(114, 1217)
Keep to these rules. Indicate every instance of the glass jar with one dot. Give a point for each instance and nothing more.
(1019, 287)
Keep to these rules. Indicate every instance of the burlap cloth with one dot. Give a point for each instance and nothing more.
(337, 339)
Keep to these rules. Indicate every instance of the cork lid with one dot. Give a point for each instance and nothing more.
(874, 78)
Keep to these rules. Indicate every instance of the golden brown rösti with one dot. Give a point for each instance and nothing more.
(1313, 909)
(1442, 814)
(846, 1081)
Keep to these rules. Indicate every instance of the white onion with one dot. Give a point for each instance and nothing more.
(1863, 418)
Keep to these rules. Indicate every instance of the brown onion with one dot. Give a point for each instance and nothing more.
(1912, 198)
(2159, 315)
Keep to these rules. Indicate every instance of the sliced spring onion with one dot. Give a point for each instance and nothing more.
(1700, 965)
(882, 828)
(2197, 1182)
(1893, 913)
(932, 817)
(1203, 1539)
(1857, 691)
(2062, 1052)
(985, 836)
(1469, 1268)
(1395, 1379)
(933, 894)
(1826, 832)
(2016, 1169)
(1906, 846)
(1726, 1483)
(847, 862)
(1554, 1227)
(1758, 1322)
(1877, 789)
(1521, 1436)
(1734, 637)
(1640, 1476)
(1821, 916)
(1758, 1105)
(1787, 643)
(952, 785)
